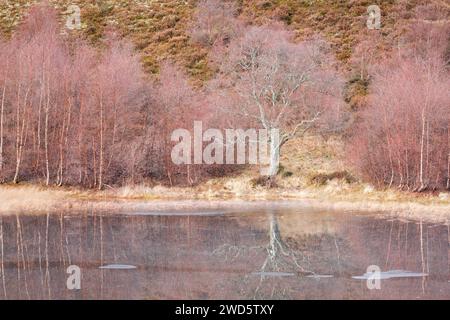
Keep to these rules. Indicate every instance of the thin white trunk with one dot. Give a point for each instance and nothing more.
(20, 134)
(448, 158)
(274, 160)
(100, 173)
(2, 112)
(47, 165)
(422, 151)
(41, 96)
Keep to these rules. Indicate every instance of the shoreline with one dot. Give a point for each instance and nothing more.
(35, 200)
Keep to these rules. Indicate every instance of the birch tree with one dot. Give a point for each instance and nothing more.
(274, 83)
(4, 65)
(402, 138)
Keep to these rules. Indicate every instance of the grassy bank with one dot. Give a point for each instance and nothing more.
(234, 193)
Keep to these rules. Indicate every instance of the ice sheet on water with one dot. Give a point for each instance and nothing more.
(177, 213)
(118, 266)
(274, 274)
(319, 276)
(391, 274)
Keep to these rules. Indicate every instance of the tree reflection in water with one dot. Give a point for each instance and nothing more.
(270, 253)
(280, 260)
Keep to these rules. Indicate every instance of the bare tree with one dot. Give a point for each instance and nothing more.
(275, 83)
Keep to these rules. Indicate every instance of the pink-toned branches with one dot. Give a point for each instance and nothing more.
(404, 135)
(272, 82)
(65, 111)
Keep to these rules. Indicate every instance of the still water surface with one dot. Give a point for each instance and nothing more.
(274, 253)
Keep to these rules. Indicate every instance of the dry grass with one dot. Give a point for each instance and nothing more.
(29, 199)
(237, 193)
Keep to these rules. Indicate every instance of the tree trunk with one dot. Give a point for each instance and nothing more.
(100, 169)
(2, 111)
(83, 163)
(422, 153)
(448, 157)
(41, 97)
(20, 147)
(21, 132)
(47, 164)
(274, 163)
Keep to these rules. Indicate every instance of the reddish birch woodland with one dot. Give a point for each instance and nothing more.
(74, 114)
(403, 136)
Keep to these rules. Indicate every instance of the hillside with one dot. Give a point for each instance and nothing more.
(159, 29)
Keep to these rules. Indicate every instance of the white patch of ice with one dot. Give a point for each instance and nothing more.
(274, 274)
(118, 267)
(180, 213)
(392, 274)
(319, 276)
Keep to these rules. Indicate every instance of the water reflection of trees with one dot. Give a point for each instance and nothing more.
(284, 260)
(280, 258)
(261, 255)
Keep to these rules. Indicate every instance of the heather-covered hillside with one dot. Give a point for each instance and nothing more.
(160, 28)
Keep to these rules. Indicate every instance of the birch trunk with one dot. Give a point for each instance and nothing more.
(2, 111)
(100, 173)
(274, 160)
(47, 162)
(422, 151)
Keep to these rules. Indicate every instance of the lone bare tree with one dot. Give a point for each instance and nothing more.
(270, 81)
